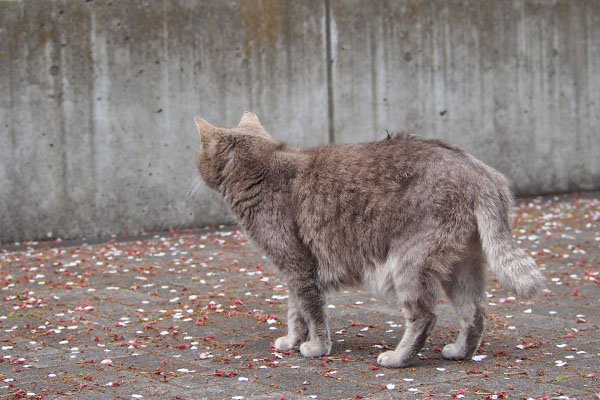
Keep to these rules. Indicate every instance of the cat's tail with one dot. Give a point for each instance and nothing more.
(515, 269)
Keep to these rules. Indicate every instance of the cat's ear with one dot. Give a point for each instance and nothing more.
(203, 126)
(250, 120)
(205, 130)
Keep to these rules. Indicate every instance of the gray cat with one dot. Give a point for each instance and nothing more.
(403, 217)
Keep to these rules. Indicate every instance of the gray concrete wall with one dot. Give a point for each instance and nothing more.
(97, 98)
(517, 83)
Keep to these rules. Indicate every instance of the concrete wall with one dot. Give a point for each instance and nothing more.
(517, 83)
(97, 98)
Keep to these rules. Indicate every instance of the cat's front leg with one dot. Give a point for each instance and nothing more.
(297, 327)
(311, 304)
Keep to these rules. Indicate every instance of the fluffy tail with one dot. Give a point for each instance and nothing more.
(515, 269)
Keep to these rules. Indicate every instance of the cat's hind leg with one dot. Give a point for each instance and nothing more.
(465, 287)
(417, 295)
(419, 324)
(297, 327)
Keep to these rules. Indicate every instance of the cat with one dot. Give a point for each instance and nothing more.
(404, 217)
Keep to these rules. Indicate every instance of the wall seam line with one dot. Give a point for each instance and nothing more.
(329, 66)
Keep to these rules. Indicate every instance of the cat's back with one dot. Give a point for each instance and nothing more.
(383, 165)
(374, 182)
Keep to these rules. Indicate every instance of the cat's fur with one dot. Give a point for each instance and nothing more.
(404, 217)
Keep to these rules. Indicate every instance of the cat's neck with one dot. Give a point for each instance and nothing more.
(254, 175)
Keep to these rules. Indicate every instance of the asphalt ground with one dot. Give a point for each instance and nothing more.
(194, 314)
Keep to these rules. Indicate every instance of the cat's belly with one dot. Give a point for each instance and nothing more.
(379, 278)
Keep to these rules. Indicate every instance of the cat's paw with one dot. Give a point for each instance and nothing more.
(315, 349)
(453, 352)
(393, 359)
(284, 343)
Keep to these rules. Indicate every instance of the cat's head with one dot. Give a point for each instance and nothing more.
(219, 145)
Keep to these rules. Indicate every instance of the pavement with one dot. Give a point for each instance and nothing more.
(194, 314)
